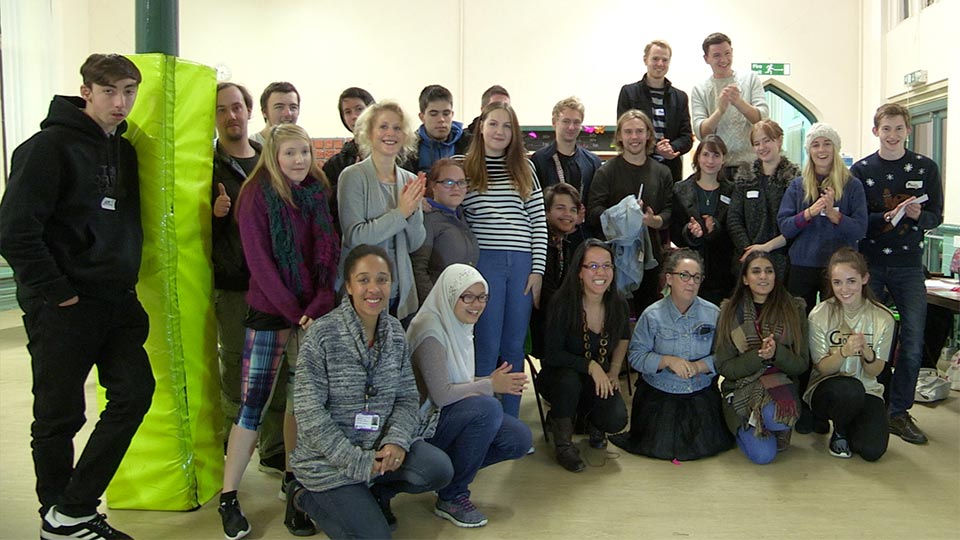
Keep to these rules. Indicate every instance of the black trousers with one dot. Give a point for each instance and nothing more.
(572, 393)
(806, 282)
(861, 417)
(64, 344)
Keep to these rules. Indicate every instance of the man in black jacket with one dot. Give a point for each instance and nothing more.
(664, 104)
(70, 229)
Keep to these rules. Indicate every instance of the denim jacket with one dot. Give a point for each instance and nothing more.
(663, 330)
(629, 238)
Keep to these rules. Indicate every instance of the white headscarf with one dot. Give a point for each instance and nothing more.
(436, 319)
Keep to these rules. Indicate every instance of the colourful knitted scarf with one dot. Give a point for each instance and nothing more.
(286, 251)
(767, 384)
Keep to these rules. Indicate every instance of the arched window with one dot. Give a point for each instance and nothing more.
(793, 116)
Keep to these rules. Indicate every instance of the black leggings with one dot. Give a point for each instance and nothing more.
(861, 417)
(571, 393)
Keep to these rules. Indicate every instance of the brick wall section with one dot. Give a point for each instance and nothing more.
(325, 149)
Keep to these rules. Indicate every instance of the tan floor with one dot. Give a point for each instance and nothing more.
(913, 492)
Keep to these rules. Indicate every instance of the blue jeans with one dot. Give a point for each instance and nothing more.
(904, 284)
(352, 512)
(476, 433)
(757, 450)
(501, 331)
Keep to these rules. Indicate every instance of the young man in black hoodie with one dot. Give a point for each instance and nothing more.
(70, 229)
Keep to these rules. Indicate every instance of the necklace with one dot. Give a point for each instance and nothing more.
(558, 243)
(604, 341)
(709, 197)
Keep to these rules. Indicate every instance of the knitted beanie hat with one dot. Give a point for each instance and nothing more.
(821, 129)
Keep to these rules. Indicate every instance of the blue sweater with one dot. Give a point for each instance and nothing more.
(815, 240)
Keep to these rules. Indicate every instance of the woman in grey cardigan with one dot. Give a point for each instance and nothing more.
(379, 202)
(356, 405)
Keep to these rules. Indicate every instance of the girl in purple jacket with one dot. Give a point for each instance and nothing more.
(292, 251)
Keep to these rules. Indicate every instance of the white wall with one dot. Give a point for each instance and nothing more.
(540, 50)
(843, 60)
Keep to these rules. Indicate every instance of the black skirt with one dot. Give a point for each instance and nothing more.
(675, 426)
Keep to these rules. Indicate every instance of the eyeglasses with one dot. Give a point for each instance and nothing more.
(469, 298)
(450, 183)
(697, 278)
(593, 267)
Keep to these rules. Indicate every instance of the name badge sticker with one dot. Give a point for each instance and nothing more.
(914, 184)
(366, 421)
(108, 203)
(753, 194)
(724, 199)
(659, 112)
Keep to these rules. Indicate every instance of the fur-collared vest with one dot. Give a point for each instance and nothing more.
(752, 218)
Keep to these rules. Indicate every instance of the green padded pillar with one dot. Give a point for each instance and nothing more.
(176, 459)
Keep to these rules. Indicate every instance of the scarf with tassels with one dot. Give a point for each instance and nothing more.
(767, 384)
(286, 252)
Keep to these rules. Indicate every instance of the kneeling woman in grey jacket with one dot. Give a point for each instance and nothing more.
(356, 405)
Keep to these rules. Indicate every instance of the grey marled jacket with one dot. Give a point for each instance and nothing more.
(329, 392)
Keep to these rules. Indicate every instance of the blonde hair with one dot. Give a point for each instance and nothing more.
(837, 179)
(659, 43)
(571, 102)
(475, 164)
(634, 114)
(268, 172)
(363, 129)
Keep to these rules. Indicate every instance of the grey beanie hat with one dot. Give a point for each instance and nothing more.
(821, 129)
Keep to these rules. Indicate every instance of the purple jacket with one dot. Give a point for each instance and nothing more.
(319, 246)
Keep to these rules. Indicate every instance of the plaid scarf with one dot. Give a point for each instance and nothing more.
(767, 385)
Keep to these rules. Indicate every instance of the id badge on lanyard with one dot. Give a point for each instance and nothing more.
(367, 420)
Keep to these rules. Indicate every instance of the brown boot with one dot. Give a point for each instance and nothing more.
(783, 439)
(568, 456)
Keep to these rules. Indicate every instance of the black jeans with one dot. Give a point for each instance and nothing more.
(861, 417)
(806, 282)
(64, 344)
(572, 393)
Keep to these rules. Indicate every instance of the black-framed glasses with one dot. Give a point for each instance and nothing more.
(593, 267)
(469, 298)
(450, 183)
(684, 276)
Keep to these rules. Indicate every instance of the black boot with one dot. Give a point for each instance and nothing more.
(598, 439)
(296, 520)
(568, 456)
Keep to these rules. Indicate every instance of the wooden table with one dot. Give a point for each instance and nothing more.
(938, 295)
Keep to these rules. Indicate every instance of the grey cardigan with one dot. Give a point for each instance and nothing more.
(365, 218)
(329, 391)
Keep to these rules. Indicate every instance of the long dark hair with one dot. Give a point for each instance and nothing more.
(780, 307)
(712, 143)
(566, 306)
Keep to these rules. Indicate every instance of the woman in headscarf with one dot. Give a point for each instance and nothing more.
(467, 421)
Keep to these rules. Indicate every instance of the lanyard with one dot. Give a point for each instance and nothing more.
(560, 175)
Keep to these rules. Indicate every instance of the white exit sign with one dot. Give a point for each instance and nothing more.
(915, 78)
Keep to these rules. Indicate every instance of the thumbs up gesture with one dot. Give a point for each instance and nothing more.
(221, 205)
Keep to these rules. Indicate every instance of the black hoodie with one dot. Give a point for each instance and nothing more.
(70, 216)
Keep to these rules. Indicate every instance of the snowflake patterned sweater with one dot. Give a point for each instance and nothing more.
(887, 183)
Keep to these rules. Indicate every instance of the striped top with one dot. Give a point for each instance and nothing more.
(501, 220)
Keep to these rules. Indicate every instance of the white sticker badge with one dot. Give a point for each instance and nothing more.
(108, 203)
(753, 194)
